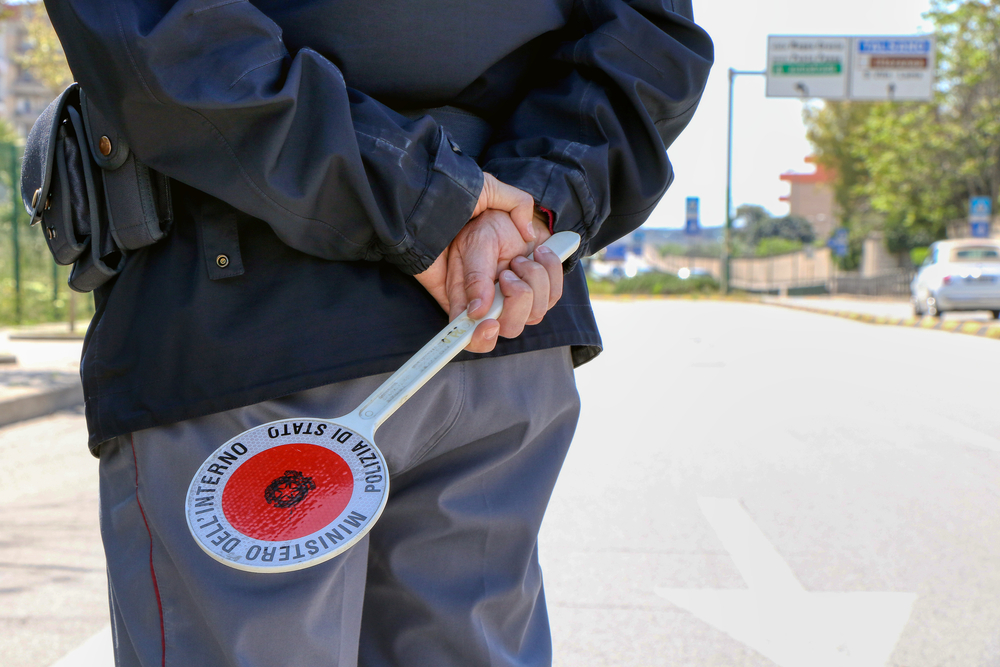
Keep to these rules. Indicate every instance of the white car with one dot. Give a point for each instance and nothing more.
(963, 274)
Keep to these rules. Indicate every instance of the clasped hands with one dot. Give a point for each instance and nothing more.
(493, 246)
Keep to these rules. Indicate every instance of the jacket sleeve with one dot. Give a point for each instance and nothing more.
(206, 93)
(590, 145)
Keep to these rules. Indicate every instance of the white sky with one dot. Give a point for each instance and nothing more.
(768, 134)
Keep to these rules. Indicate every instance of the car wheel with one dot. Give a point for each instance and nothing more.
(917, 310)
(996, 314)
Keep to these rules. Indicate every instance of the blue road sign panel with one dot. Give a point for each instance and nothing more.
(615, 251)
(838, 242)
(691, 223)
(980, 208)
(980, 213)
(638, 241)
(900, 45)
(980, 230)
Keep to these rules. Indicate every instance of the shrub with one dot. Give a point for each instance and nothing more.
(918, 255)
(775, 245)
(655, 283)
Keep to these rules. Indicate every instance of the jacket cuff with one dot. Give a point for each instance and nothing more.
(454, 183)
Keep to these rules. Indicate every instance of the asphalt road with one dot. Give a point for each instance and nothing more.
(749, 485)
(821, 490)
(53, 590)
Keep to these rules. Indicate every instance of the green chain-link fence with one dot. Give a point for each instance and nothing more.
(32, 287)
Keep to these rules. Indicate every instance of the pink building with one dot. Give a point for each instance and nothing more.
(811, 197)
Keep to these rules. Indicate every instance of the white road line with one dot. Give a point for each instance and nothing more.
(779, 619)
(758, 561)
(95, 652)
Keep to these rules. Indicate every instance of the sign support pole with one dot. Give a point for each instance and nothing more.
(727, 243)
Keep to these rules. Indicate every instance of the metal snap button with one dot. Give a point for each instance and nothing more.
(104, 145)
(222, 261)
(34, 198)
(455, 147)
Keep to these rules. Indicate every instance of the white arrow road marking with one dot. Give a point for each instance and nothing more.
(95, 652)
(781, 620)
(959, 431)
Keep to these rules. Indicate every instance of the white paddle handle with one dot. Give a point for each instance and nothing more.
(433, 356)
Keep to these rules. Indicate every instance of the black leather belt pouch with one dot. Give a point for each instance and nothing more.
(95, 202)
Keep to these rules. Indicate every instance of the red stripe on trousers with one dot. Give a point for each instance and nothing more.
(152, 570)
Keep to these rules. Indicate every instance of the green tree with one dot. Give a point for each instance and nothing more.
(43, 58)
(837, 131)
(43, 292)
(906, 168)
(758, 224)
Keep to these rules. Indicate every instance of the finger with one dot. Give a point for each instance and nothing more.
(554, 268)
(454, 286)
(516, 304)
(537, 278)
(484, 338)
(474, 273)
(503, 197)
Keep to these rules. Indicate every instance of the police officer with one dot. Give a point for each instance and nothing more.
(344, 177)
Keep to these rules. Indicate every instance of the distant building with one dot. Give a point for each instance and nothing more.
(22, 98)
(811, 197)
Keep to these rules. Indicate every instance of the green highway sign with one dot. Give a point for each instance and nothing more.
(842, 67)
(807, 69)
(807, 66)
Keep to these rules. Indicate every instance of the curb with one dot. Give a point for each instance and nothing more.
(46, 336)
(41, 404)
(969, 328)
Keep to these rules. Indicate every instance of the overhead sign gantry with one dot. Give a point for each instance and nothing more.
(897, 68)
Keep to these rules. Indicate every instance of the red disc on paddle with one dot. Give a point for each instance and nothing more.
(287, 492)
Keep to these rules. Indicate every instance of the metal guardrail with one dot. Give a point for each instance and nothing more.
(799, 273)
(888, 283)
(895, 283)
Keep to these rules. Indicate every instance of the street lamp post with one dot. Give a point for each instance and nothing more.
(727, 243)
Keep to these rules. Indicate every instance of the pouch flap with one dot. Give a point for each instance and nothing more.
(108, 147)
(39, 154)
(64, 222)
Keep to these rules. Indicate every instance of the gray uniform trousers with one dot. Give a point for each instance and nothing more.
(448, 576)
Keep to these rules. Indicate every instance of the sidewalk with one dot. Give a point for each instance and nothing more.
(878, 307)
(892, 312)
(40, 372)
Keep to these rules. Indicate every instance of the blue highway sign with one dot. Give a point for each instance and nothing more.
(980, 213)
(691, 223)
(838, 242)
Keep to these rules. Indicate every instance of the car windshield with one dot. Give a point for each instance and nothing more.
(975, 254)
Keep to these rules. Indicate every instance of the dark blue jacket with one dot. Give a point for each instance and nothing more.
(286, 127)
